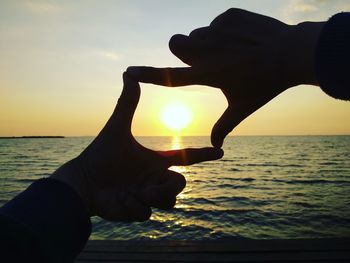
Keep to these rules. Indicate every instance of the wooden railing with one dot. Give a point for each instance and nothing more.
(240, 250)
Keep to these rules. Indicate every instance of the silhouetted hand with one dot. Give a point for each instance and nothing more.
(119, 179)
(250, 57)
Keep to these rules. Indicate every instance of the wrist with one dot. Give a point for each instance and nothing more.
(70, 174)
(299, 53)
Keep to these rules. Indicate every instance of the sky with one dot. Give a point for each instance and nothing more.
(61, 64)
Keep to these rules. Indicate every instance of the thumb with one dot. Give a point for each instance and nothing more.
(127, 103)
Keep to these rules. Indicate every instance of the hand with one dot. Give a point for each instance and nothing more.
(250, 57)
(117, 178)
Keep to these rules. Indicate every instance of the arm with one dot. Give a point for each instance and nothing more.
(46, 223)
(115, 178)
(253, 58)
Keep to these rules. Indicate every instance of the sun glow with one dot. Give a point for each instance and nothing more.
(176, 116)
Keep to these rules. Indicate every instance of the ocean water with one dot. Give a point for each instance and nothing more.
(264, 187)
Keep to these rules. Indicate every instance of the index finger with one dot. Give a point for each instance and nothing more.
(191, 156)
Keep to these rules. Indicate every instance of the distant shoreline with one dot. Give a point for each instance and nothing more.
(33, 137)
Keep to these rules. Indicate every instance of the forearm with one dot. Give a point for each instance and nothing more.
(298, 53)
(318, 53)
(333, 57)
(54, 215)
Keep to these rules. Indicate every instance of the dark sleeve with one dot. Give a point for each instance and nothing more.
(333, 57)
(45, 223)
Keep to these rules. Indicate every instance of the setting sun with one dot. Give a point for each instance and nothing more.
(176, 116)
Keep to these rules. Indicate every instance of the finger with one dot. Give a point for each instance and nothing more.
(190, 49)
(127, 103)
(115, 212)
(114, 209)
(232, 16)
(184, 48)
(171, 77)
(157, 197)
(136, 210)
(163, 195)
(202, 33)
(172, 182)
(191, 156)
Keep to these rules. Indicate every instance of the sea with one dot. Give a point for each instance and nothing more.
(265, 187)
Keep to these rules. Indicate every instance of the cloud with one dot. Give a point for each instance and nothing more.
(313, 10)
(42, 7)
(111, 55)
(301, 6)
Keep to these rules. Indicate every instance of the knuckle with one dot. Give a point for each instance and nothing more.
(235, 12)
(193, 33)
(232, 11)
(230, 15)
(199, 32)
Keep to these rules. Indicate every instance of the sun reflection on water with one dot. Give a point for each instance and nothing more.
(176, 144)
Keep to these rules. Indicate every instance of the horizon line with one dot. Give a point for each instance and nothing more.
(241, 135)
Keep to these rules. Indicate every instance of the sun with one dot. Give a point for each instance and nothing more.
(176, 116)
